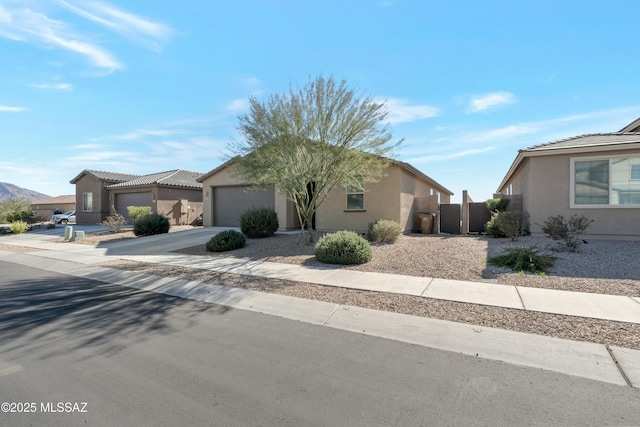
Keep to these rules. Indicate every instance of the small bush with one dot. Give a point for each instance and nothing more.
(18, 227)
(497, 205)
(115, 221)
(567, 230)
(384, 231)
(524, 259)
(343, 247)
(492, 228)
(151, 224)
(511, 224)
(259, 222)
(226, 240)
(13, 216)
(136, 212)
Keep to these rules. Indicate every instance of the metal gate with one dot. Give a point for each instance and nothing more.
(450, 218)
(478, 216)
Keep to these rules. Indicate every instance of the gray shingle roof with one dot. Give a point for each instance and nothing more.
(173, 178)
(588, 141)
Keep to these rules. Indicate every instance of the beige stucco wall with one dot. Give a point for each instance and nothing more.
(545, 182)
(181, 205)
(410, 188)
(87, 184)
(381, 201)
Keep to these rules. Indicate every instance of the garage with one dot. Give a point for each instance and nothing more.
(230, 202)
(132, 199)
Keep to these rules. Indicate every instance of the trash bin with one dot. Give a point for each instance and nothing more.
(426, 222)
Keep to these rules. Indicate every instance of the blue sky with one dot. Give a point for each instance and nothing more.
(142, 87)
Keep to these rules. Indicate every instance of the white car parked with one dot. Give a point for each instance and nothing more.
(64, 218)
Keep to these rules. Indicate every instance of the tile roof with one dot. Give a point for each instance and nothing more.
(105, 176)
(172, 178)
(618, 139)
(56, 200)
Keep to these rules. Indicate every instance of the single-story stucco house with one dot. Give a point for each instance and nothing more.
(175, 194)
(596, 175)
(45, 208)
(398, 196)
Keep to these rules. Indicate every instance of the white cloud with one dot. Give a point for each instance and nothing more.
(238, 105)
(12, 109)
(138, 29)
(57, 86)
(400, 112)
(453, 155)
(490, 100)
(141, 133)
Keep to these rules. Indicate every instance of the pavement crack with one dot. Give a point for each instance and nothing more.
(615, 361)
(524, 307)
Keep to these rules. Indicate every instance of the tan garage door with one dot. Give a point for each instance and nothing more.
(230, 202)
(132, 199)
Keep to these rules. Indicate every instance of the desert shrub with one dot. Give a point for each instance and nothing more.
(343, 247)
(524, 258)
(13, 205)
(259, 222)
(497, 205)
(115, 221)
(13, 216)
(18, 227)
(151, 224)
(384, 231)
(136, 212)
(511, 224)
(226, 240)
(567, 230)
(492, 228)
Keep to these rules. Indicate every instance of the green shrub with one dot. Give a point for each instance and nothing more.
(13, 205)
(151, 224)
(384, 231)
(567, 230)
(343, 247)
(13, 216)
(136, 212)
(497, 205)
(115, 221)
(226, 240)
(524, 259)
(259, 222)
(492, 228)
(511, 224)
(18, 227)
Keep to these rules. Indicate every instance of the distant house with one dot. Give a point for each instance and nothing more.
(175, 194)
(596, 175)
(45, 208)
(397, 196)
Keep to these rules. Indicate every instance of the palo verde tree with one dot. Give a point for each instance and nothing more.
(312, 139)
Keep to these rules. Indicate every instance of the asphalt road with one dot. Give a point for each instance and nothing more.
(77, 352)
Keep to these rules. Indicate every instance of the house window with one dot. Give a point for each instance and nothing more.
(87, 202)
(603, 182)
(355, 197)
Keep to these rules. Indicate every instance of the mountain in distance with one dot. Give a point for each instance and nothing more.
(11, 191)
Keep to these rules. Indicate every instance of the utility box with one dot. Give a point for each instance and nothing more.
(68, 233)
(425, 222)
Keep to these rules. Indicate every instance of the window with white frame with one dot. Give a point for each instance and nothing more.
(602, 182)
(355, 197)
(87, 202)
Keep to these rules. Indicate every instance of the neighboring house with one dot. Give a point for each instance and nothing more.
(45, 208)
(175, 194)
(398, 196)
(595, 175)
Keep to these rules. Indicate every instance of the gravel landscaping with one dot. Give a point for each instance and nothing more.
(602, 266)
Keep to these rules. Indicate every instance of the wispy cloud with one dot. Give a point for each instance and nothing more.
(141, 133)
(490, 100)
(401, 112)
(32, 25)
(57, 86)
(138, 29)
(238, 105)
(12, 109)
(452, 155)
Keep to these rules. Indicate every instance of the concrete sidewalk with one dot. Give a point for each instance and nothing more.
(615, 365)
